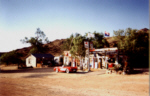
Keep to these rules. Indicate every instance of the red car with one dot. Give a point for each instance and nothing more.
(65, 68)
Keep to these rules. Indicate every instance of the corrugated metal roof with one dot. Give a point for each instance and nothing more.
(43, 55)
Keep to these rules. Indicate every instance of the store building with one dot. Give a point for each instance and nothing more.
(71, 61)
(99, 58)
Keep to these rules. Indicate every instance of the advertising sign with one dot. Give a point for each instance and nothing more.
(91, 45)
(90, 35)
(86, 44)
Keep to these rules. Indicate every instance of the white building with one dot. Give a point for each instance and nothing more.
(37, 60)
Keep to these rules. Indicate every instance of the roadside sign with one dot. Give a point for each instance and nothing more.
(91, 45)
(90, 35)
(86, 44)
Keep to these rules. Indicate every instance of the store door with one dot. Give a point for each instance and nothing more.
(100, 65)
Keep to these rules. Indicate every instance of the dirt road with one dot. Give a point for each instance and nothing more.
(45, 82)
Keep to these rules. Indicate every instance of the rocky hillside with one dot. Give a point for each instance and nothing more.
(54, 47)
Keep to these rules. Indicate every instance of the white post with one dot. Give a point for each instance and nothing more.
(88, 59)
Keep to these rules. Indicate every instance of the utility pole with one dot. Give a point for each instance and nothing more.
(90, 35)
(86, 44)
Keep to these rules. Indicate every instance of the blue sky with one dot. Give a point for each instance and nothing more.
(60, 18)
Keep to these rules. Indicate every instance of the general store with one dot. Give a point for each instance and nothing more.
(99, 58)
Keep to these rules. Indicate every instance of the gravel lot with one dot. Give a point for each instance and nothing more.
(46, 82)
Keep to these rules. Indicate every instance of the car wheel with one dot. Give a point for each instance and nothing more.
(75, 71)
(67, 70)
(56, 70)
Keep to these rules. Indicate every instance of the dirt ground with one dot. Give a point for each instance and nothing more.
(46, 82)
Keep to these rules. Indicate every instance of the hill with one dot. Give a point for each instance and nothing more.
(54, 47)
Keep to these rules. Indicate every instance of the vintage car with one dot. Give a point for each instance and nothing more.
(65, 68)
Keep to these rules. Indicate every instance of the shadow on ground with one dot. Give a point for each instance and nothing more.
(140, 71)
(37, 75)
(50, 69)
(78, 72)
(28, 70)
(38, 70)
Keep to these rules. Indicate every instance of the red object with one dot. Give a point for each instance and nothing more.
(110, 65)
(65, 68)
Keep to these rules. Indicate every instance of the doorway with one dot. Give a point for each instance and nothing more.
(100, 63)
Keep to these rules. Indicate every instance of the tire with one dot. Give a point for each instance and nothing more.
(56, 70)
(67, 70)
(75, 71)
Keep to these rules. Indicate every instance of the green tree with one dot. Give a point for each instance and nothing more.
(68, 43)
(135, 45)
(37, 42)
(98, 41)
(77, 46)
(11, 57)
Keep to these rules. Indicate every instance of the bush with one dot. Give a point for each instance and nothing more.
(118, 67)
(11, 57)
